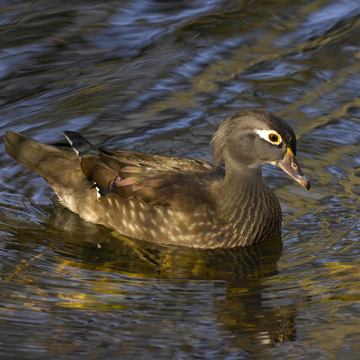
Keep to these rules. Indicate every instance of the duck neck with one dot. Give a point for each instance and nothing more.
(239, 180)
(242, 185)
(247, 205)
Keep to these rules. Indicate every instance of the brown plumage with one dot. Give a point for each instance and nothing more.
(169, 200)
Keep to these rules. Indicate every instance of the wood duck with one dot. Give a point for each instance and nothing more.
(169, 200)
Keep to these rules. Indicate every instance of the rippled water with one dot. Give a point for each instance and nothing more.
(159, 76)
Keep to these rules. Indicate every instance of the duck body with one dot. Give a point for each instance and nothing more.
(169, 200)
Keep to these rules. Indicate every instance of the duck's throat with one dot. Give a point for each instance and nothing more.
(242, 187)
(250, 206)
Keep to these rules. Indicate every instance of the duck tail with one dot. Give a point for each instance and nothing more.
(50, 162)
(26, 151)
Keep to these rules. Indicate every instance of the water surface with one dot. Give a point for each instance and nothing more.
(160, 76)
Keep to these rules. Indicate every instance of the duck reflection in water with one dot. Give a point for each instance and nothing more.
(237, 277)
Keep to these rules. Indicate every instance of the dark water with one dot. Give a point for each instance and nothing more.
(159, 76)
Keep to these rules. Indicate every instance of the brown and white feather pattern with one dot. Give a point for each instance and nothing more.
(165, 199)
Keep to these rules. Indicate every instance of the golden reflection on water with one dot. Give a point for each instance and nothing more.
(235, 279)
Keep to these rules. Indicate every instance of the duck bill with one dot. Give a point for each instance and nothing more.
(291, 166)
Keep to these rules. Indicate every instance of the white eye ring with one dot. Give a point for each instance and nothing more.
(271, 136)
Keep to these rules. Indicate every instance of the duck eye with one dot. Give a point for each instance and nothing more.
(274, 138)
(270, 136)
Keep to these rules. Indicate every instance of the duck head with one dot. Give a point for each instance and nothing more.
(255, 137)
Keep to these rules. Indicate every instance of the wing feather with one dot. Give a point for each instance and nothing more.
(156, 180)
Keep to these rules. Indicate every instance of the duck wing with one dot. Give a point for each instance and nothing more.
(157, 180)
